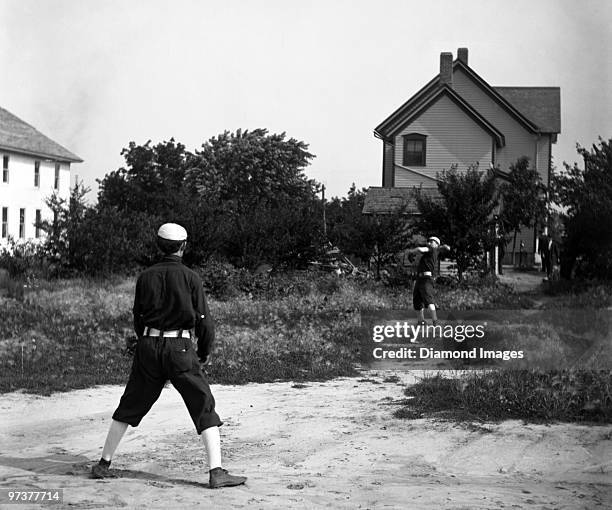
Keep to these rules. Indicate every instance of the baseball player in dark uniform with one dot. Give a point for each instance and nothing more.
(423, 293)
(169, 302)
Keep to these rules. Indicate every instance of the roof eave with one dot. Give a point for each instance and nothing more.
(381, 128)
(53, 157)
(498, 97)
(498, 136)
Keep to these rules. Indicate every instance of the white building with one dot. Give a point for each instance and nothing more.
(33, 168)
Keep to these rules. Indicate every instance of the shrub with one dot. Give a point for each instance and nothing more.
(23, 260)
(218, 278)
(586, 196)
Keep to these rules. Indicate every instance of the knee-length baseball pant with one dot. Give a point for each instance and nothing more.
(156, 361)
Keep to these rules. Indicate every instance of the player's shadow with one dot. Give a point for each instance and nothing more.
(80, 466)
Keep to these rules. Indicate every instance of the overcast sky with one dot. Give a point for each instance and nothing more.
(95, 75)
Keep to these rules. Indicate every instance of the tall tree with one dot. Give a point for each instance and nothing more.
(246, 167)
(348, 227)
(152, 180)
(153, 185)
(523, 197)
(463, 216)
(586, 197)
(256, 181)
(63, 231)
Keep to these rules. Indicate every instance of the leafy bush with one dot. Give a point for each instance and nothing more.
(22, 259)
(219, 279)
(586, 195)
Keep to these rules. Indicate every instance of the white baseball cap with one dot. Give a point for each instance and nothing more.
(434, 238)
(172, 232)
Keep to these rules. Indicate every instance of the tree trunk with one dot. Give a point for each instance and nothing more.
(514, 248)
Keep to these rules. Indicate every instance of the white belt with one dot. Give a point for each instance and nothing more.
(184, 333)
(425, 273)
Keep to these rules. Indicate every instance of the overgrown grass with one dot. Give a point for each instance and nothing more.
(579, 294)
(535, 396)
(68, 334)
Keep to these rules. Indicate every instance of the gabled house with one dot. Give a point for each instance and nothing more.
(459, 119)
(33, 168)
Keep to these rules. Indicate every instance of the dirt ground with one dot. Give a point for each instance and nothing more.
(321, 445)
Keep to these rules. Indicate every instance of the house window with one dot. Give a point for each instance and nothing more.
(5, 222)
(5, 170)
(37, 174)
(57, 174)
(37, 224)
(414, 149)
(21, 223)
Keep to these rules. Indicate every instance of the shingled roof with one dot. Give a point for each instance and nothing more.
(18, 136)
(542, 105)
(391, 200)
(539, 108)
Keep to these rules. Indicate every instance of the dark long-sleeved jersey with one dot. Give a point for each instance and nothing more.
(170, 296)
(429, 260)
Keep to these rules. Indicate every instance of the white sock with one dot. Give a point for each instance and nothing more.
(113, 438)
(432, 311)
(212, 442)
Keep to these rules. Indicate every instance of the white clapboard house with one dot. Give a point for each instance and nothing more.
(460, 119)
(33, 168)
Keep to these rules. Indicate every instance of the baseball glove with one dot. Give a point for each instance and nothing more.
(130, 345)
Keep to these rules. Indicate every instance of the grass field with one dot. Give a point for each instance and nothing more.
(69, 334)
(529, 395)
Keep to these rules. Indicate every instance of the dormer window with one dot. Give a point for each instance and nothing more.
(414, 149)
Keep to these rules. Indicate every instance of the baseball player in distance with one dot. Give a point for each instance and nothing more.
(423, 293)
(168, 303)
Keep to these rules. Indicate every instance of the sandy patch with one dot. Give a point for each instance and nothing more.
(325, 445)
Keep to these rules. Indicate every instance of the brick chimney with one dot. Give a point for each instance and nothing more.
(462, 55)
(446, 69)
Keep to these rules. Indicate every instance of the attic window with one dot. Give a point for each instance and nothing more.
(414, 149)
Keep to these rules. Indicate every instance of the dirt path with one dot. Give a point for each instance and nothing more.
(326, 445)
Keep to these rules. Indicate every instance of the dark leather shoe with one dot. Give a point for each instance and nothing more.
(221, 478)
(102, 471)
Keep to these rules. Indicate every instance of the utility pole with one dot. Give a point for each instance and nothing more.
(324, 220)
